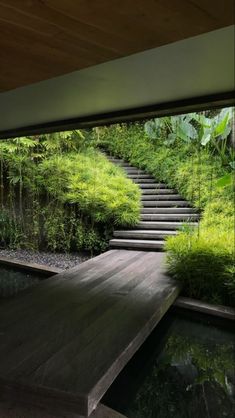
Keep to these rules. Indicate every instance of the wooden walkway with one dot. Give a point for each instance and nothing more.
(64, 342)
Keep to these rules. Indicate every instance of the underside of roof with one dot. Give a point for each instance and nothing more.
(65, 63)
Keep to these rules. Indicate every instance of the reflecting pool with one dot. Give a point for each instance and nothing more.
(184, 370)
(13, 281)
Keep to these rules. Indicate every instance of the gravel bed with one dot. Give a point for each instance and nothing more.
(58, 260)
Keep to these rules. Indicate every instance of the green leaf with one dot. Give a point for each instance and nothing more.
(150, 130)
(171, 138)
(223, 121)
(232, 164)
(205, 139)
(226, 180)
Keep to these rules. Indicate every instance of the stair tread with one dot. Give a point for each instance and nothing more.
(141, 176)
(168, 210)
(150, 183)
(146, 196)
(164, 224)
(144, 234)
(164, 203)
(138, 242)
(168, 222)
(136, 169)
(169, 215)
(156, 186)
(151, 231)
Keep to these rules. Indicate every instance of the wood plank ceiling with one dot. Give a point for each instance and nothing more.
(41, 39)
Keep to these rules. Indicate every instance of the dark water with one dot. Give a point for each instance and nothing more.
(13, 281)
(184, 370)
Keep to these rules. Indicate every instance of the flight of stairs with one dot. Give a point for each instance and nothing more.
(163, 212)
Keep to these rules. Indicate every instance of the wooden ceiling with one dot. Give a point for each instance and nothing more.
(41, 39)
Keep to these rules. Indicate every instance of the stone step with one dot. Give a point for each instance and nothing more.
(144, 234)
(158, 196)
(164, 203)
(134, 170)
(116, 160)
(169, 210)
(148, 181)
(169, 217)
(123, 165)
(156, 191)
(155, 187)
(156, 225)
(134, 243)
(141, 176)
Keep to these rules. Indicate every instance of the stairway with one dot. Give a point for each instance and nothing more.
(163, 212)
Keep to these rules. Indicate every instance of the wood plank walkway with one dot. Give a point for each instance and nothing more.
(65, 341)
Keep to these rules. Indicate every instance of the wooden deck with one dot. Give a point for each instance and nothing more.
(63, 342)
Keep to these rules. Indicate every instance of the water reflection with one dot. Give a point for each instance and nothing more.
(189, 374)
(13, 281)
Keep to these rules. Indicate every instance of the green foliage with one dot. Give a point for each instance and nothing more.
(98, 187)
(197, 127)
(57, 192)
(202, 263)
(202, 260)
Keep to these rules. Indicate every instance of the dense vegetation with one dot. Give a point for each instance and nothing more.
(193, 154)
(58, 192)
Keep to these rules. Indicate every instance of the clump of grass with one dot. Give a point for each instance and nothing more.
(203, 263)
(98, 188)
(62, 194)
(203, 260)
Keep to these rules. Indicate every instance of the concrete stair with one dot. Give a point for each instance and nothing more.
(168, 210)
(169, 217)
(163, 225)
(164, 203)
(137, 243)
(144, 234)
(164, 212)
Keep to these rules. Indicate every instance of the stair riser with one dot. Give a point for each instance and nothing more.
(143, 236)
(148, 181)
(155, 187)
(173, 226)
(164, 204)
(166, 210)
(152, 247)
(160, 197)
(141, 176)
(170, 217)
(134, 171)
(117, 161)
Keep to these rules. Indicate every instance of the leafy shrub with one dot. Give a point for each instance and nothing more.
(98, 188)
(202, 263)
(57, 192)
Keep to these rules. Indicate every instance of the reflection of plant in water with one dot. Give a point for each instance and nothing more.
(212, 364)
(189, 380)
